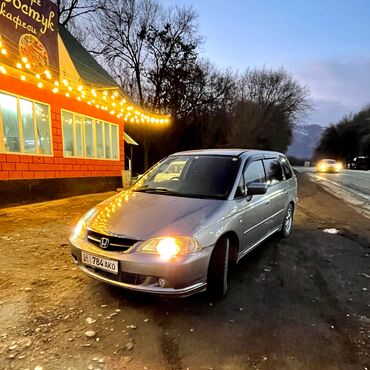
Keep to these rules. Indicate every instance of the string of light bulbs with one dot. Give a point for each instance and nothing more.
(110, 99)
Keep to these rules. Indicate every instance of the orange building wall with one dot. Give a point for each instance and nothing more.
(25, 166)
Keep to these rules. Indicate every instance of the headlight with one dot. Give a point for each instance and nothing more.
(168, 247)
(80, 228)
(339, 166)
(322, 167)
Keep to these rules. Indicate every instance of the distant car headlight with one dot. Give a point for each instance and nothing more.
(169, 247)
(338, 166)
(323, 167)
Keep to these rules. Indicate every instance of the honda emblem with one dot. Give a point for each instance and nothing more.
(104, 243)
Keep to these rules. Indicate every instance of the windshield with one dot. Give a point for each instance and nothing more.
(329, 161)
(205, 176)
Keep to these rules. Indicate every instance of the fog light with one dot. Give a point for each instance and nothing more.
(162, 282)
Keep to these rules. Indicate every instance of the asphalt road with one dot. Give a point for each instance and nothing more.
(350, 185)
(298, 303)
(358, 181)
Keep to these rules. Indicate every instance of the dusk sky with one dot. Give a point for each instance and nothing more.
(324, 44)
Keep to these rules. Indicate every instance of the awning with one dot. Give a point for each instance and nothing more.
(128, 139)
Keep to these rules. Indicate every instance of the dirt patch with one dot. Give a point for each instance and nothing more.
(300, 303)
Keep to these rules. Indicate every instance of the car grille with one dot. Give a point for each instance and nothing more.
(123, 277)
(116, 243)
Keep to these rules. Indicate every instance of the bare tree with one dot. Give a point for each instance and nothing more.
(120, 30)
(272, 90)
(69, 10)
(172, 44)
(348, 138)
(269, 104)
(153, 52)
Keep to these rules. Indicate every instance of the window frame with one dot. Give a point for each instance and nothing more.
(281, 160)
(236, 196)
(20, 127)
(93, 121)
(247, 163)
(267, 174)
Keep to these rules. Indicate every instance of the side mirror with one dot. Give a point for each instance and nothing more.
(256, 188)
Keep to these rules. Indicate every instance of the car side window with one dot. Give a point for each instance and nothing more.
(273, 170)
(254, 173)
(288, 173)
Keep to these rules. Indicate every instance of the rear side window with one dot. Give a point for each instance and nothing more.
(273, 170)
(254, 173)
(288, 173)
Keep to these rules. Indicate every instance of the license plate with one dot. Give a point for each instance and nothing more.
(101, 263)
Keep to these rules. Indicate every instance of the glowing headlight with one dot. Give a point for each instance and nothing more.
(168, 247)
(338, 166)
(323, 167)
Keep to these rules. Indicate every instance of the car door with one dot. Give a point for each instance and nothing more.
(253, 214)
(276, 194)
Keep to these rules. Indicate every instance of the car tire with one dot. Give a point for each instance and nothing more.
(217, 279)
(287, 226)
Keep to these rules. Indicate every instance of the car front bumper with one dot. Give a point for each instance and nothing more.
(141, 272)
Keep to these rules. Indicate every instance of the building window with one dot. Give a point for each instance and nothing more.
(42, 125)
(85, 137)
(115, 147)
(24, 126)
(89, 138)
(79, 136)
(67, 120)
(28, 126)
(108, 139)
(99, 139)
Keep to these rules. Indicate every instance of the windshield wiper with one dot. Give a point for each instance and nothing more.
(165, 191)
(157, 190)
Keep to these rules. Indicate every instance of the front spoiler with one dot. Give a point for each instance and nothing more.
(176, 293)
(183, 278)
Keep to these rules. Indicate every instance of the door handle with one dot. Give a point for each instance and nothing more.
(267, 203)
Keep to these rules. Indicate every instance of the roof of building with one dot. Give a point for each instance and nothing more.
(87, 67)
(128, 139)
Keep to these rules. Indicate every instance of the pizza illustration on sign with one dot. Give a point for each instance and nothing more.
(30, 47)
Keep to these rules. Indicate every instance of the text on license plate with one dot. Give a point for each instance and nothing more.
(101, 263)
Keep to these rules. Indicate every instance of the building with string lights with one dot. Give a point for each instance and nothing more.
(62, 115)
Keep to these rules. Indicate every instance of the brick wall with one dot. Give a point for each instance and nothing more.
(24, 166)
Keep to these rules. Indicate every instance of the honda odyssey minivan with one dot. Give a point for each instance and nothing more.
(175, 231)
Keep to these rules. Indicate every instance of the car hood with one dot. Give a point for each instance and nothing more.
(142, 215)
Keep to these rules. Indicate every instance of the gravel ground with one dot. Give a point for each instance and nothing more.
(302, 303)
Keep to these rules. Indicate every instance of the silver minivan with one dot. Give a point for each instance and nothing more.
(175, 231)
